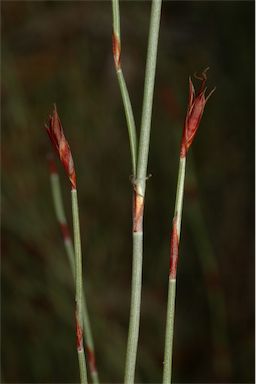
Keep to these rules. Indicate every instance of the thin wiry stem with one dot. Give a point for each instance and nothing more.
(61, 217)
(139, 168)
(139, 193)
(79, 288)
(122, 84)
(148, 94)
(167, 373)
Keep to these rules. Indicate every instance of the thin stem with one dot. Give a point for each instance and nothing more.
(169, 332)
(148, 93)
(116, 18)
(167, 372)
(129, 119)
(122, 84)
(180, 193)
(79, 288)
(133, 335)
(61, 217)
(139, 186)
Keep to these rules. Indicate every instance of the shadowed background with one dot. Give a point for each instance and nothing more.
(54, 51)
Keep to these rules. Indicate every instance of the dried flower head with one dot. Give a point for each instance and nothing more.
(195, 110)
(56, 134)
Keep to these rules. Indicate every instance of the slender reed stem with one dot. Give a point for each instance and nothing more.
(79, 288)
(139, 193)
(122, 84)
(139, 168)
(61, 217)
(148, 93)
(196, 105)
(167, 374)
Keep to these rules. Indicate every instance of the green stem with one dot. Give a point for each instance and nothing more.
(61, 217)
(148, 93)
(123, 88)
(116, 18)
(169, 332)
(139, 186)
(167, 372)
(79, 285)
(129, 118)
(133, 334)
(180, 193)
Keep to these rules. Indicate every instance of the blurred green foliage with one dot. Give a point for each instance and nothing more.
(58, 51)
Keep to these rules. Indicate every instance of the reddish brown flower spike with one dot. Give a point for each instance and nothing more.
(56, 134)
(174, 252)
(195, 111)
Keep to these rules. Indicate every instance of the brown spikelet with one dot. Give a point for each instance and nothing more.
(56, 134)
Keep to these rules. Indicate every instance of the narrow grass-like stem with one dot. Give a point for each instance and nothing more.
(169, 331)
(148, 95)
(139, 168)
(122, 84)
(79, 288)
(139, 193)
(175, 238)
(61, 218)
(196, 105)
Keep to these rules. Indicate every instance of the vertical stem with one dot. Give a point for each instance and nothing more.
(61, 217)
(133, 335)
(169, 332)
(79, 288)
(175, 238)
(180, 193)
(139, 186)
(148, 93)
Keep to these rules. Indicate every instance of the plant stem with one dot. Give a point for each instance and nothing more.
(139, 193)
(167, 373)
(79, 288)
(61, 217)
(148, 93)
(122, 84)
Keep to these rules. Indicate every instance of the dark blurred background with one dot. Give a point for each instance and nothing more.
(58, 51)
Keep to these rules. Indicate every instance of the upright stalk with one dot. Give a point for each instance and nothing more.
(175, 238)
(196, 104)
(139, 192)
(139, 168)
(79, 288)
(61, 217)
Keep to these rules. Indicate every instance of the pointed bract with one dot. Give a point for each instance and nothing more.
(196, 104)
(56, 134)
